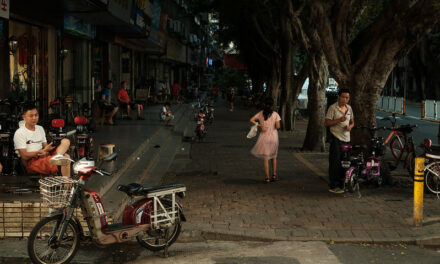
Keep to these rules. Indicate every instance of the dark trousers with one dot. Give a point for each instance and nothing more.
(335, 171)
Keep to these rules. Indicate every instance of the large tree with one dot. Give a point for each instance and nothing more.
(363, 40)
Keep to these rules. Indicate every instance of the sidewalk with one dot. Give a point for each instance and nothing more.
(227, 199)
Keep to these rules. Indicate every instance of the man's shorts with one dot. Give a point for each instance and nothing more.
(124, 105)
(41, 166)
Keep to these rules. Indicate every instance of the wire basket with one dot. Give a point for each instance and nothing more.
(56, 191)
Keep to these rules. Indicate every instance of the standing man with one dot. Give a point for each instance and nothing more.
(340, 119)
(106, 104)
(124, 101)
(30, 142)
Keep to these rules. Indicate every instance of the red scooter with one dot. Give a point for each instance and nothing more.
(201, 128)
(154, 219)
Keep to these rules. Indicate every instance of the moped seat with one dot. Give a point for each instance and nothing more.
(135, 189)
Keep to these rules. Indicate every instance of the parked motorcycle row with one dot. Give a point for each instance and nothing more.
(10, 121)
(203, 115)
(360, 167)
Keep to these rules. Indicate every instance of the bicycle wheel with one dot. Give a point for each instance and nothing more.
(44, 245)
(432, 177)
(353, 184)
(396, 146)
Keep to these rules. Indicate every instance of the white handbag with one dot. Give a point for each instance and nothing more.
(253, 131)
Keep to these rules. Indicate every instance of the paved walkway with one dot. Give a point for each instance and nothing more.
(227, 198)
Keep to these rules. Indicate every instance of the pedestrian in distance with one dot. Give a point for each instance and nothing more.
(266, 147)
(340, 119)
(166, 114)
(230, 97)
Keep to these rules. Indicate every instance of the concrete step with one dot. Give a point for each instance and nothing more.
(102, 186)
(150, 166)
(113, 199)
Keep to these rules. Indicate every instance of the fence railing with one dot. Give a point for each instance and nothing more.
(431, 110)
(391, 104)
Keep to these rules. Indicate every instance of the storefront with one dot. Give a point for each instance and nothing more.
(30, 61)
(76, 57)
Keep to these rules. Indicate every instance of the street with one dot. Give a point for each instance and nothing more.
(243, 252)
(425, 129)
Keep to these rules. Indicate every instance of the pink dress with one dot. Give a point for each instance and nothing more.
(267, 142)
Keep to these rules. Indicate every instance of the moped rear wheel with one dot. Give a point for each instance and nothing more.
(44, 245)
(155, 240)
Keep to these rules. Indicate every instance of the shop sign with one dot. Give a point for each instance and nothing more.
(157, 34)
(78, 27)
(4, 8)
(138, 18)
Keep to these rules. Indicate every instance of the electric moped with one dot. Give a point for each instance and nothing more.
(154, 218)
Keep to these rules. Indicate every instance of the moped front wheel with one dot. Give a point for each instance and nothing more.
(45, 245)
(353, 184)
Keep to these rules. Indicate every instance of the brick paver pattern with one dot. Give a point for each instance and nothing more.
(226, 194)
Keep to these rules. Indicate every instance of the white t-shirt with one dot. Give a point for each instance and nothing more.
(339, 130)
(30, 140)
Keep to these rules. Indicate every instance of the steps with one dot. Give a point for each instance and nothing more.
(150, 162)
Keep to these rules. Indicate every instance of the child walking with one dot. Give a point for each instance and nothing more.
(266, 147)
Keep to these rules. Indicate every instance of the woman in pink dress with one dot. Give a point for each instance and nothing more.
(266, 147)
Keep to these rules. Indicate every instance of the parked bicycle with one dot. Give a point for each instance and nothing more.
(408, 153)
(432, 167)
(154, 217)
(395, 138)
(368, 169)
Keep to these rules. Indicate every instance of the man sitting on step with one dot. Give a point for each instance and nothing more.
(31, 144)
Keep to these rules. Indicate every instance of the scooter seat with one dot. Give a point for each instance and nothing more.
(135, 189)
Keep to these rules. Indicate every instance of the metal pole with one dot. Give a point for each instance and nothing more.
(418, 190)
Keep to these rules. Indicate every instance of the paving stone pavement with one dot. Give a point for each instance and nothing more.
(227, 199)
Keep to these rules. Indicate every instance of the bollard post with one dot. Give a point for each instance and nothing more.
(423, 109)
(404, 107)
(418, 190)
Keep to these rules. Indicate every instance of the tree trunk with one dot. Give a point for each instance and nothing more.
(318, 80)
(287, 51)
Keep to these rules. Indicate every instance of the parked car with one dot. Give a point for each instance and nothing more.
(302, 97)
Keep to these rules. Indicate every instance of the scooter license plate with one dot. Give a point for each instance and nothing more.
(345, 164)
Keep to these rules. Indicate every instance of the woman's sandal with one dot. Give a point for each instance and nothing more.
(274, 178)
(267, 180)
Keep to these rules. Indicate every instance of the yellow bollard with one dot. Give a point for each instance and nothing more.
(418, 190)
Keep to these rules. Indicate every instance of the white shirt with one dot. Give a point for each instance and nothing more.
(339, 130)
(30, 140)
